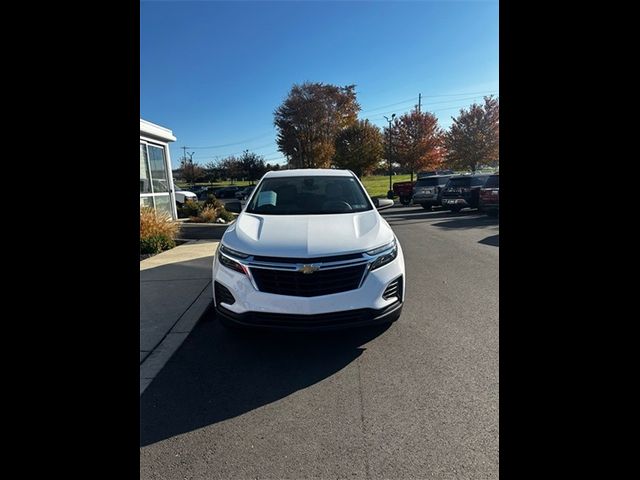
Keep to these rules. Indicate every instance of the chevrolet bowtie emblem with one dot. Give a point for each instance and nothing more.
(309, 268)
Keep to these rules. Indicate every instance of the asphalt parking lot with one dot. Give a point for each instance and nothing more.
(417, 399)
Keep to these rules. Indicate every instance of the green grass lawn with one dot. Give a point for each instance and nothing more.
(378, 185)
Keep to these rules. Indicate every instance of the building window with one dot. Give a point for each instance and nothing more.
(146, 202)
(158, 169)
(145, 178)
(163, 204)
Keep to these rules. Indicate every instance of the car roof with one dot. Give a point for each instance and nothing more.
(472, 175)
(306, 172)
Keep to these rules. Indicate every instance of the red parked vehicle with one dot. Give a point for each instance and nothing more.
(490, 196)
(404, 190)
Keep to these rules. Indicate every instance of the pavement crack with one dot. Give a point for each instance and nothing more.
(362, 425)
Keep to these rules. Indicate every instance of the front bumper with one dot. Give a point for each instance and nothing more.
(253, 307)
(455, 202)
(427, 199)
(323, 321)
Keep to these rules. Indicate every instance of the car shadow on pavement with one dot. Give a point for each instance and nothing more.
(470, 222)
(219, 374)
(422, 214)
(493, 240)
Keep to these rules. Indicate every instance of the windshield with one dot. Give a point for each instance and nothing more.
(309, 195)
(478, 181)
(493, 182)
(459, 182)
(431, 181)
(427, 182)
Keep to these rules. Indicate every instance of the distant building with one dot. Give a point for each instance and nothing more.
(156, 179)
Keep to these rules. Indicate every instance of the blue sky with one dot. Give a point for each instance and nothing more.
(214, 72)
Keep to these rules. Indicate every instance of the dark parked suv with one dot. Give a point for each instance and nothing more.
(490, 196)
(227, 192)
(463, 191)
(428, 190)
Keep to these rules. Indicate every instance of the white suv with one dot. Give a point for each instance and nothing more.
(309, 251)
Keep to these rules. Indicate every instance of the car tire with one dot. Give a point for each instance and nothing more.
(427, 207)
(455, 209)
(405, 201)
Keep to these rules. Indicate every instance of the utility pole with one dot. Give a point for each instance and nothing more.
(419, 129)
(390, 192)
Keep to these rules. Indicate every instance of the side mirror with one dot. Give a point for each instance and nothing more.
(382, 203)
(233, 207)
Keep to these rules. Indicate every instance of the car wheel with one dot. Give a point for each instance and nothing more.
(427, 207)
(405, 200)
(455, 209)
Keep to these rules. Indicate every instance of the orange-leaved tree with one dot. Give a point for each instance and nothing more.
(473, 140)
(309, 120)
(416, 140)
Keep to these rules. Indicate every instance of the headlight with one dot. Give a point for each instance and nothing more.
(385, 254)
(233, 253)
(224, 257)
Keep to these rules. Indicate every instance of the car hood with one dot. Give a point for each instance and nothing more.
(186, 193)
(307, 235)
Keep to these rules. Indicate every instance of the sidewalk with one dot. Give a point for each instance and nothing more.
(175, 290)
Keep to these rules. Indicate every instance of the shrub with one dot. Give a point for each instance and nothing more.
(213, 202)
(210, 213)
(157, 231)
(226, 215)
(156, 244)
(191, 208)
(207, 215)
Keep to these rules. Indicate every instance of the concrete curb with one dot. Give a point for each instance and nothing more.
(158, 358)
(153, 362)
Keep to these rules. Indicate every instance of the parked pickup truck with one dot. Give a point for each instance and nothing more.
(404, 190)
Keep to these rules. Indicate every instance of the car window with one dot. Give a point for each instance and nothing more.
(309, 195)
(459, 182)
(493, 181)
(478, 181)
(427, 182)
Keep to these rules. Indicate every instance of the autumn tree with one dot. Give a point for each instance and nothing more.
(309, 120)
(417, 141)
(230, 167)
(359, 148)
(191, 172)
(473, 140)
(251, 166)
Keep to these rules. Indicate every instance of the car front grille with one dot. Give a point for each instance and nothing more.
(298, 284)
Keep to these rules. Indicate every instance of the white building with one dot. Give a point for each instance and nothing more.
(156, 179)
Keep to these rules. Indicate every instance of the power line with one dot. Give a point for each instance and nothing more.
(390, 105)
(457, 94)
(236, 143)
(378, 116)
(427, 96)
